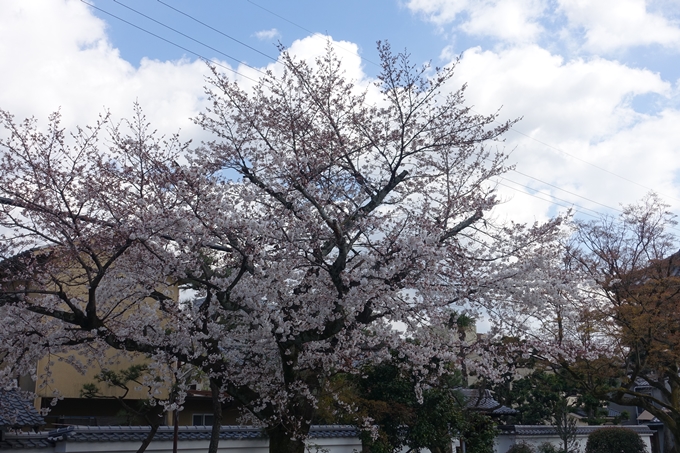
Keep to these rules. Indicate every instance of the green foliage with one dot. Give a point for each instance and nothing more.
(387, 394)
(547, 447)
(521, 447)
(535, 397)
(539, 396)
(134, 411)
(479, 433)
(615, 440)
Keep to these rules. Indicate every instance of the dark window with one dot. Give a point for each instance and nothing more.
(202, 419)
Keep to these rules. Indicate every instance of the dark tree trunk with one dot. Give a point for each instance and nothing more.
(147, 440)
(217, 416)
(280, 441)
(676, 440)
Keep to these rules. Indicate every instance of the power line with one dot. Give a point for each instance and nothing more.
(581, 209)
(187, 36)
(590, 163)
(512, 128)
(309, 31)
(210, 62)
(567, 191)
(570, 205)
(216, 30)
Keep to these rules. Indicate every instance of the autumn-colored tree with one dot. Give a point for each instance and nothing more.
(355, 210)
(635, 298)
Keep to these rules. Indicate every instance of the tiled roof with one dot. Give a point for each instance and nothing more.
(138, 433)
(547, 430)
(25, 441)
(16, 412)
(328, 431)
(484, 402)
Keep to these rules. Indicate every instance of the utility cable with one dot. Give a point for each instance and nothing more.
(567, 191)
(580, 209)
(310, 31)
(569, 205)
(216, 30)
(513, 129)
(188, 37)
(170, 42)
(590, 163)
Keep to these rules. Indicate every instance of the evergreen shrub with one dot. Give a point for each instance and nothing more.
(521, 447)
(615, 440)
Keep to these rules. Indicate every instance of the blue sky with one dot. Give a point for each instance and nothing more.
(595, 81)
(355, 21)
(359, 22)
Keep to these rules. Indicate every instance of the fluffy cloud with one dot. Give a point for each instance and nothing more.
(513, 20)
(611, 25)
(582, 107)
(76, 70)
(600, 25)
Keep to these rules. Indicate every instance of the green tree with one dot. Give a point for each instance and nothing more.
(541, 395)
(410, 412)
(146, 410)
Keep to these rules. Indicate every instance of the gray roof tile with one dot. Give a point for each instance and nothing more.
(17, 412)
(138, 433)
(25, 441)
(542, 430)
(484, 402)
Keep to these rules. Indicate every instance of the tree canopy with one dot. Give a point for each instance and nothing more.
(326, 224)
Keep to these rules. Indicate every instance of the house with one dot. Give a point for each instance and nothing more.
(18, 418)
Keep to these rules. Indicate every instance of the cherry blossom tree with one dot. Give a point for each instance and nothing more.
(326, 225)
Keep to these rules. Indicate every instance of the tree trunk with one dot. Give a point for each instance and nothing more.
(147, 440)
(217, 416)
(280, 441)
(676, 440)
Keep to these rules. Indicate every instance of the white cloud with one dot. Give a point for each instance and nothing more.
(611, 25)
(582, 107)
(266, 35)
(602, 25)
(512, 20)
(74, 68)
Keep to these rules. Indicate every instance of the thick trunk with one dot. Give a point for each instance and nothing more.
(280, 441)
(217, 416)
(676, 440)
(147, 440)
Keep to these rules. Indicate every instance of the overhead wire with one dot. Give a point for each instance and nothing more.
(210, 62)
(310, 31)
(188, 37)
(513, 129)
(569, 205)
(592, 164)
(216, 30)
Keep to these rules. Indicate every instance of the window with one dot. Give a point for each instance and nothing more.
(202, 419)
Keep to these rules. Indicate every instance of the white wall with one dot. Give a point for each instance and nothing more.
(504, 442)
